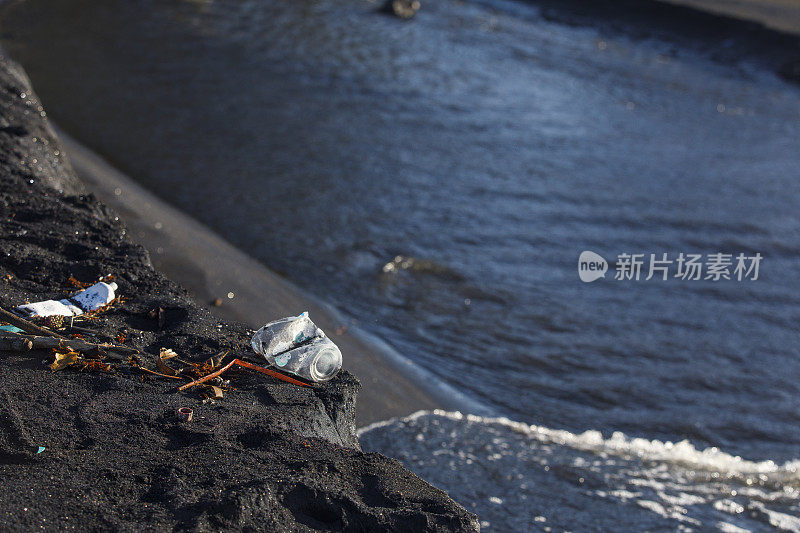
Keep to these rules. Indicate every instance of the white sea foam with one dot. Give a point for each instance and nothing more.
(567, 479)
(681, 453)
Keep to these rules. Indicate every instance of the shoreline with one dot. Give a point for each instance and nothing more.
(102, 445)
(210, 267)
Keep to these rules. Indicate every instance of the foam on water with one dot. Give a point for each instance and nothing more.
(519, 477)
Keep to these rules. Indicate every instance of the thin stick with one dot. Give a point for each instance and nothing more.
(157, 373)
(244, 364)
(208, 377)
(79, 345)
(28, 327)
(20, 344)
(90, 332)
(269, 372)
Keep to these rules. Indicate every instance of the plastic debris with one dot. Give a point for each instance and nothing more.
(95, 297)
(185, 414)
(11, 329)
(296, 345)
(282, 335)
(40, 450)
(27, 327)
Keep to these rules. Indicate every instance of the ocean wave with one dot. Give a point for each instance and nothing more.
(517, 476)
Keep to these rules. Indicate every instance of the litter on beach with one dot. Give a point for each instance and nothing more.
(90, 299)
(185, 414)
(296, 345)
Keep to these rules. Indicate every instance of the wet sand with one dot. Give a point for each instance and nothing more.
(783, 15)
(211, 268)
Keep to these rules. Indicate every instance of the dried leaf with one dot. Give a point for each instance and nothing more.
(95, 366)
(216, 361)
(212, 392)
(164, 355)
(63, 360)
(72, 282)
(164, 369)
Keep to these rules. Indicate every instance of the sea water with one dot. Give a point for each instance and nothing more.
(521, 477)
(439, 179)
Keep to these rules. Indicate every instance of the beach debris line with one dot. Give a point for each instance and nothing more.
(296, 345)
(205, 371)
(87, 356)
(75, 352)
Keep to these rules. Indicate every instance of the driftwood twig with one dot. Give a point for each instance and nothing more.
(18, 344)
(25, 325)
(78, 345)
(244, 364)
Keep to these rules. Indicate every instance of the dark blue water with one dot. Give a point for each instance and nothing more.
(437, 181)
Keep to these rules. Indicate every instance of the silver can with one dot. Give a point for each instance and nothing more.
(297, 345)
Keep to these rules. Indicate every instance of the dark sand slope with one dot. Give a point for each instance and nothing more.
(210, 268)
(269, 456)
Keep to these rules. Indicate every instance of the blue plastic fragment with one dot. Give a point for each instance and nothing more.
(41, 449)
(12, 329)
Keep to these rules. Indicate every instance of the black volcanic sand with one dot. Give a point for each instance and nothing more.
(268, 456)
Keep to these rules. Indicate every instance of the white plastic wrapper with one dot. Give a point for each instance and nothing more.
(90, 299)
(50, 308)
(96, 296)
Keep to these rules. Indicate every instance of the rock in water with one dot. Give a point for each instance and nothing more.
(404, 9)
